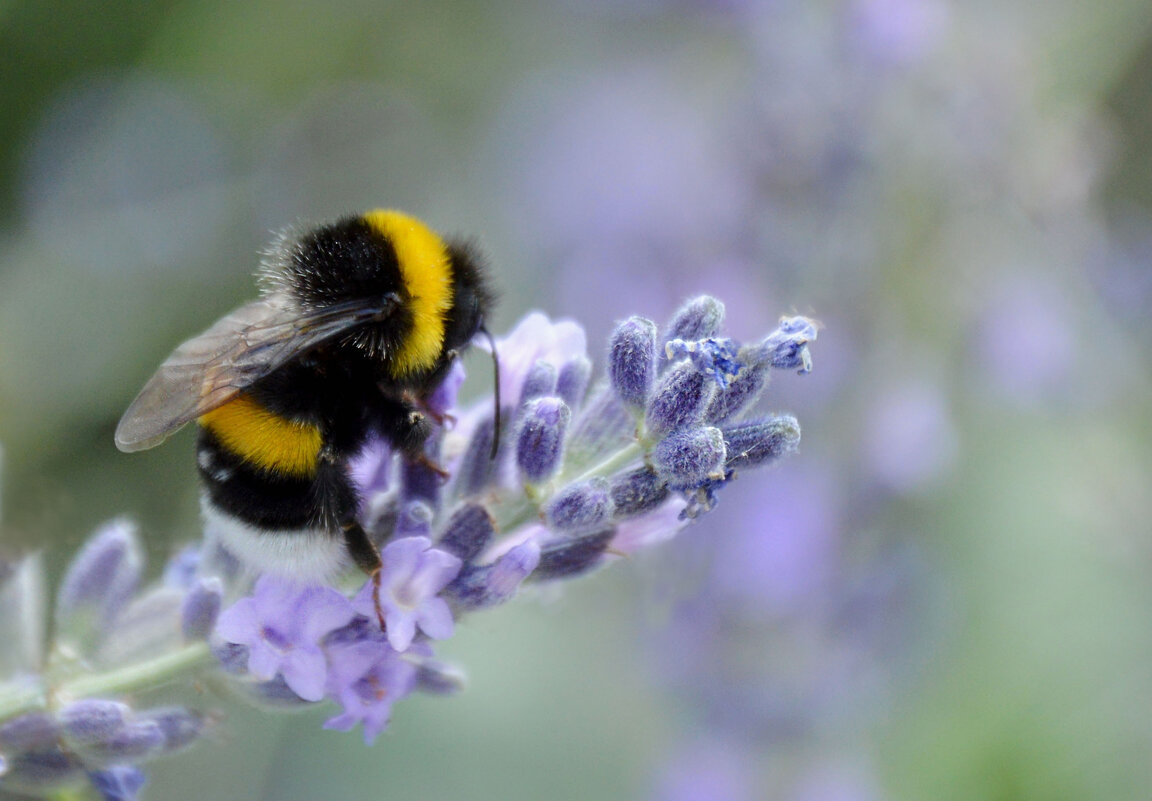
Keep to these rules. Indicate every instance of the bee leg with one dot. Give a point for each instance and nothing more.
(367, 558)
(426, 461)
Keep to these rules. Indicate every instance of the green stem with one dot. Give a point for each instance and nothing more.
(607, 467)
(129, 678)
(140, 676)
(16, 701)
(516, 512)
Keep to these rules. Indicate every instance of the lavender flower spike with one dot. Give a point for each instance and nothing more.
(412, 575)
(651, 450)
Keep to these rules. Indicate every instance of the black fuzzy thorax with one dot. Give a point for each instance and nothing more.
(344, 388)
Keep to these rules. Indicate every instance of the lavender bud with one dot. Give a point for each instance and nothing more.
(29, 732)
(510, 571)
(742, 391)
(414, 520)
(580, 507)
(572, 383)
(99, 581)
(92, 720)
(181, 727)
(439, 678)
(540, 381)
(36, 772)
(680, 399)
(232, 656)
(180, 571)
(468, 532)
(689, 457)
(135, 741)
(637, 491)
(787, 346)
(540, 441)
(118, 782)
(568, 557)
(379, 515)
(477, 464)
(761, 442)
(419, 480)
(631, 360)
(480, 586)
(699, 318)
(201, 608)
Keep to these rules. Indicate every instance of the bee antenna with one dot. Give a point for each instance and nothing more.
(496, 391)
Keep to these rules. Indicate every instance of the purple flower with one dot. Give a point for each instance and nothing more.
(100, 580)
(118, 782)
(366, 679)
(282, 625)
(411, 576)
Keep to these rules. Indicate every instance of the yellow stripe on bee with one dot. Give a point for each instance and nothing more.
(427, 275)
(263, 438)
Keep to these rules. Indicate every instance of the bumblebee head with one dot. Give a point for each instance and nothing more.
(435, 290)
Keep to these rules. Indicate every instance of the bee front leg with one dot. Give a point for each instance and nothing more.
(367, 558)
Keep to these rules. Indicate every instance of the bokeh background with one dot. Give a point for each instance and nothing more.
(946, 594)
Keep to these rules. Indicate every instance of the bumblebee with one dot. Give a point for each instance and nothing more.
(357, 323)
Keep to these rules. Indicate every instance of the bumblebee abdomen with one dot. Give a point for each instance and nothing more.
(264, 440)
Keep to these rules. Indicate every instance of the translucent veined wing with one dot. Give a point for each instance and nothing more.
(209, 370)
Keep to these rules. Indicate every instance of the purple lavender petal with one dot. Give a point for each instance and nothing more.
(324, 610)
(305, 672)
(239, 623)
(263, 659)
(435, 619)
(399, 558)
(436, 569)
(443, 398)
(118, 782)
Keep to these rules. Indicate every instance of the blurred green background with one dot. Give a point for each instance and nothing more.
(959, 191)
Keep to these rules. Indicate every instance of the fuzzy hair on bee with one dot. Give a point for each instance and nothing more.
(357, 323)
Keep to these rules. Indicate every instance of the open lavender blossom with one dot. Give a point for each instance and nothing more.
(578, 478)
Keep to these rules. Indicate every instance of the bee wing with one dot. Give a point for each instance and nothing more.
(209, 370)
